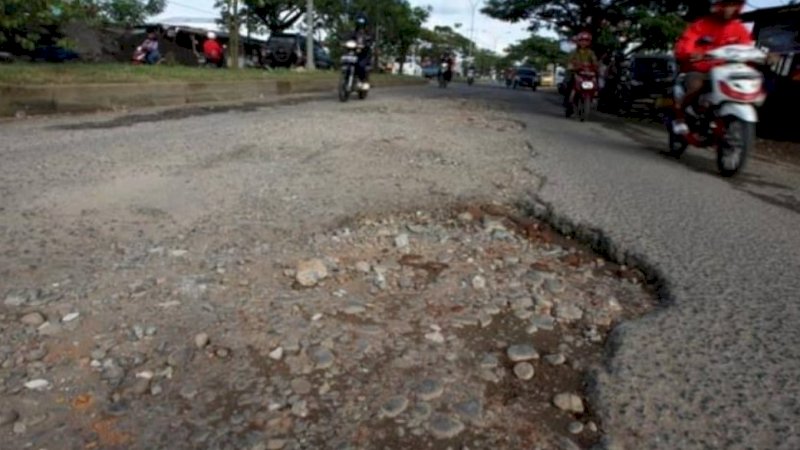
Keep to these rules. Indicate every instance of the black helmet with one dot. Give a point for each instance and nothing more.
(361, 20)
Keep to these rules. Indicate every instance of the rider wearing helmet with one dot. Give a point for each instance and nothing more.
(582, 56)
(212, 50)
(362, 38)
(720, 28)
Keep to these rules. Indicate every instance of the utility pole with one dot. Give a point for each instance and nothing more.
(234, 35)
(474, 4)
(310, 35)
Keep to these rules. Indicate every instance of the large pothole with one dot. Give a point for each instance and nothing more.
(467, 329)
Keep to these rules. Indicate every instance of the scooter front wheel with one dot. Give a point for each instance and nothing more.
(677, 144)
(735, 148)
(344, 93)
(582, 109)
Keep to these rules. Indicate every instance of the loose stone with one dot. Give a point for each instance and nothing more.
(522, 352)
(429, 389)
(568, 402)
(394, 407)
(444, 427)
(524, 371)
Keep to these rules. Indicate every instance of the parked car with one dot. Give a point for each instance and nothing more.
(430, 71)
(53, 54)
(547, 80)
(561, 80)
(285, 50)
(526, 77)
(644, 82)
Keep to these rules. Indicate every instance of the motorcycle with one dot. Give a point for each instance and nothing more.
(726, 116)
(139, 56)
(471, 77)
(349, 83)
(445, 74)
(584, 92)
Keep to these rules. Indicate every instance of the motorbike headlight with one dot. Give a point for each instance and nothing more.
(587, 85)
(351, 45)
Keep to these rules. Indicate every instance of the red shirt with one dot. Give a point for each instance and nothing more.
(721, 33)
(212, 50)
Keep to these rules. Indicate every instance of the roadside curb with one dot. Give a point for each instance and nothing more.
(88, 98)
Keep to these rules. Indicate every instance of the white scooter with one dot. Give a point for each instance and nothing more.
(726, 116)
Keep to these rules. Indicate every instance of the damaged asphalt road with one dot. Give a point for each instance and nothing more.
(141, 257)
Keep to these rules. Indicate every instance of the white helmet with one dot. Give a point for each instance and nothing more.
(211, 35)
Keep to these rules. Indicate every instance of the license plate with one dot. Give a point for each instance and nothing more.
(349, 59)
(664, 102)
(587, 85)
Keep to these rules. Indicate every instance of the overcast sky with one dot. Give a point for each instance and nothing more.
(489, 33)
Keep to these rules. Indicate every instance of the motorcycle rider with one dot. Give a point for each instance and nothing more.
(720, 28)
(448, 58)
(582, 56)
(364, 42)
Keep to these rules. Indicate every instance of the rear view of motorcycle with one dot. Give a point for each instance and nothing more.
(349, 82)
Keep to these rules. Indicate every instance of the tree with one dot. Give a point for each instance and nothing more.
(394, 24)
(130, 12)
(653, 24)
(23, 22)
(488, 62)
(536, 51)
(444, 38)
(403, 27)
(277, 16)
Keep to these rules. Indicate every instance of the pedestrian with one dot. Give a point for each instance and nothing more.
(148, 53)
(213, 51)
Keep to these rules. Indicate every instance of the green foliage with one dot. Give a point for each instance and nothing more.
(130, 12)
(395, 24)
(444, 38)
(536, 51)
(487, 61)
(653, 24)
(24, 22)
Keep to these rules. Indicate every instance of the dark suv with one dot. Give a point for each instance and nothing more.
(646, 80)
(288, 50)
(526, 77)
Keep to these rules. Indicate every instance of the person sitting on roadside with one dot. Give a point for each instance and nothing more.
(149, 49)
(722, 27)
(213, 51)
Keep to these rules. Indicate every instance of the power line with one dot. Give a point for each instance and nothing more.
(193, 8)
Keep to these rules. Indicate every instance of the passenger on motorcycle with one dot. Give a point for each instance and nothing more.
(364, 42)
(583, 56)
(720, 28)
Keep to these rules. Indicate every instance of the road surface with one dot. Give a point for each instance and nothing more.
(717, 366)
